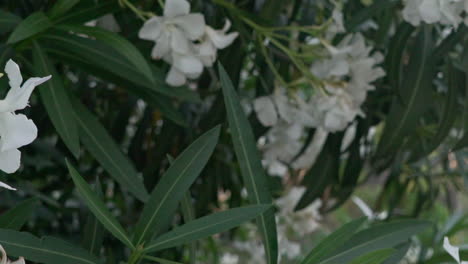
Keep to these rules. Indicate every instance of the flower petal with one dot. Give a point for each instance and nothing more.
(17, 131)
(219, 37)
(19, 261)
(179, 42)
(188, 64)
(14, 74)
(17, 98)
(6, 186)
(174, 8)
(193, 25)
(175, 77)
(10, 161)
(452, 250)
(162, 47)
(266, 111)
(152, 29)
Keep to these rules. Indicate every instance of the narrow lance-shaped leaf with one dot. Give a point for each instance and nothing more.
(98, 207)
(17, 216)
(94, 231)
(56, 101)
(47, 250)
(119, 44)
(32, 25)
(331, 242)
(104, 149)
(61, 7)
(375, 238)
(8, 21)
(251, 168)
(415, 94)
(205, 227)
(376, 257)
(175, 182)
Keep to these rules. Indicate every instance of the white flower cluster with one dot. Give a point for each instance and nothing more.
(184, 41)
(16, 130)
(292, 227)
(5, 260)
(347, 74)
(447, 12)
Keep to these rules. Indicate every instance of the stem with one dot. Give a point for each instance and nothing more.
(136, 255)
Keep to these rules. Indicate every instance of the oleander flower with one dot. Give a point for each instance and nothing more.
(453, 251)
(214, 40)
(5, 260)
(16, 130)
(447, 12)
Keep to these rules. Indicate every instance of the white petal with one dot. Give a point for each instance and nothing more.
(219, 37)
(10, 160)
(452, 250)
(206, 52)
(162, 47)
(152, 28)
(16, 131)
(266, 112)
(174, 8)
(4, 255)
(179, 42)
(6, 186)
(175, 77)
(188, 64)
(14, 74)
(430, 11)
(17, 98)
(19, 261)
(193, 25)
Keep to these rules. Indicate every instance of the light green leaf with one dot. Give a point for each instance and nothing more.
(175, 182)
(32, 25)
(17, 216)
(100, 144)
(205, 227)
(252, 172)
(375, 238)
(98, 207)
(47, 250)
(333, 241)
(56, 101)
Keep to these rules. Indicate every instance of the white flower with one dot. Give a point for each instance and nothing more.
(173, 34)
(16, 130)
(213, 41)
(453, 251)
(447, 12)
(5, 260)
(107, 22)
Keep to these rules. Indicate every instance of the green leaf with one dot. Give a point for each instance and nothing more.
(415, 94)
(98, 207)
(85, 12)
(205, 227)
(119, 44)
(61, 7)
(367, 13)
(399, 255)
(376, 257)
(375, 238)
(252, 172)
(462, 143)
(47, 250)
(100, 144)
(331, 242)
(160, 260)
(188, 212)
(93, 230)
(8, 21)
(56, 101)
(32, 25)
(17, 216)
(162, 204)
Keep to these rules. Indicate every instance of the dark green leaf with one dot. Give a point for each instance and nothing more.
(104, 149)
(8, 21)
(47, 250)
(252, 171)
(17, 216)
(205, 227)
(85, 12)
(376, 257)
(175, 182)
(94, 231)
(98, 207)
(331, 242)
(61, 7)
(399, 255)
(32, 25)
(56, 101)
